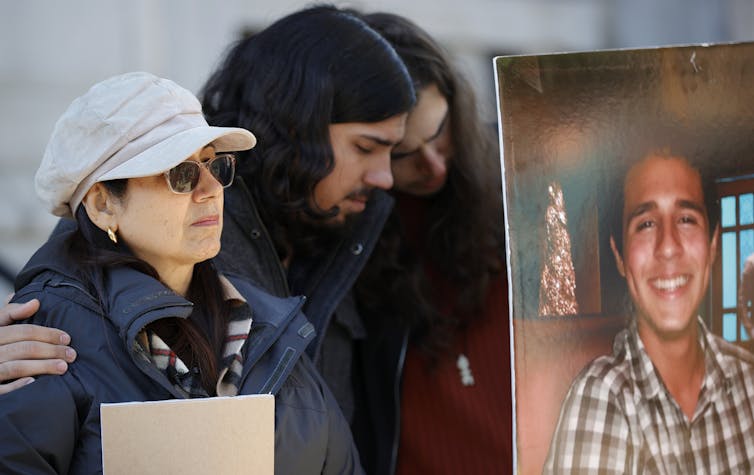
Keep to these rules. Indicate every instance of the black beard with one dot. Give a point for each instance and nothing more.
(312, 238)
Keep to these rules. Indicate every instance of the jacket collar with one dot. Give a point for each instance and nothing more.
(137, 300)
(134, 299)
(246, 245)
(325, 280)
(649, 384)
(51, 256)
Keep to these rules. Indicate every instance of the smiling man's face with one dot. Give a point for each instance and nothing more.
(667, 251)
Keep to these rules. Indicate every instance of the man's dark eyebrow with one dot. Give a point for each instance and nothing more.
(641, 209)
(427, 140)
(693, 205)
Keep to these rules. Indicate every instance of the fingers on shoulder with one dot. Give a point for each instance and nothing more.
(11, 370)
(12, 312)
(35, 350)
(36, 333)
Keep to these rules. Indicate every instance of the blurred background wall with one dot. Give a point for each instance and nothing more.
(51, 52)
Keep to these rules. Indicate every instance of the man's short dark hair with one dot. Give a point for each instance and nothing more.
(693, 158)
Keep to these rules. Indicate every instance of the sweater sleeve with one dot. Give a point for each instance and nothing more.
(39, 426)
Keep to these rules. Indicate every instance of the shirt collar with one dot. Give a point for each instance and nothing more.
(649, 384)
(718, 374)
(231, 293)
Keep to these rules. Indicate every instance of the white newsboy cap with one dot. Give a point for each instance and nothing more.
(129, 126)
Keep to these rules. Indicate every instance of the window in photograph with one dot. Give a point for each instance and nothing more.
(736, 244)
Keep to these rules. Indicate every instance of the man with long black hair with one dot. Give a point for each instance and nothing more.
(327, 97)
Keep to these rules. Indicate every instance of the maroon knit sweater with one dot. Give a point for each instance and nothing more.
(449, 428)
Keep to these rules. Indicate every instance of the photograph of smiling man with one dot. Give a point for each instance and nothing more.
(672, 398)
(630, 352)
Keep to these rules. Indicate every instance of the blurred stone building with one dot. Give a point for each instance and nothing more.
(51, 52)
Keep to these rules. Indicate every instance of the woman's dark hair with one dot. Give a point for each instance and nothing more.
(464, 239)
(287, 84)
(197, 340)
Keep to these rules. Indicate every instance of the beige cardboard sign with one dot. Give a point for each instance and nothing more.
(223, 435)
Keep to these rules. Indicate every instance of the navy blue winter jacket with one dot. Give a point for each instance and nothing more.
(53, 424)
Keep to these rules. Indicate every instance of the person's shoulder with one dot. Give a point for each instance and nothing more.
(56, 278)
(607, 374)
(64, 304)
(731, 354)
(595, 408)
(53, 289)
(736, 364)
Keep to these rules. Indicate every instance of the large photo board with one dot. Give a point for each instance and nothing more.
(572, 126)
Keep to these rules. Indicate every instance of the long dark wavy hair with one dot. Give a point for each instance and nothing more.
(197, 340)
(464, 231)
(288, 83)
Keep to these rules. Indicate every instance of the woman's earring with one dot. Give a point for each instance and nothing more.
(112, 236)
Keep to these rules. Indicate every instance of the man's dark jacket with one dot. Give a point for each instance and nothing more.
(363, 373)
(53, 424)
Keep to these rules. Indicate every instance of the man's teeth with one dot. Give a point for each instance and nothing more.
(671, 284)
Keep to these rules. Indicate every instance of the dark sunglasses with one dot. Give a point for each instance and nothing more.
(184, 177)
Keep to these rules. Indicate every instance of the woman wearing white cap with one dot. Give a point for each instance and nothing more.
(135, 164)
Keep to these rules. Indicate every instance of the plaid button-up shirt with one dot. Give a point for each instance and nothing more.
(618, 417)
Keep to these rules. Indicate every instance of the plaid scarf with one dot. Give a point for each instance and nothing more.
(231, 365)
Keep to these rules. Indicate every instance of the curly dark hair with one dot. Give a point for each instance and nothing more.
(464, 237)
(288, 83)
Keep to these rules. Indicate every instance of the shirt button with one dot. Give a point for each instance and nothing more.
(357, 249)
(255, 233)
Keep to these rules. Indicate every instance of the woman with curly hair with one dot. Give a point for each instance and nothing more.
(439, 272)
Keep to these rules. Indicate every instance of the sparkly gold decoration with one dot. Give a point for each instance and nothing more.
(557, 283)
